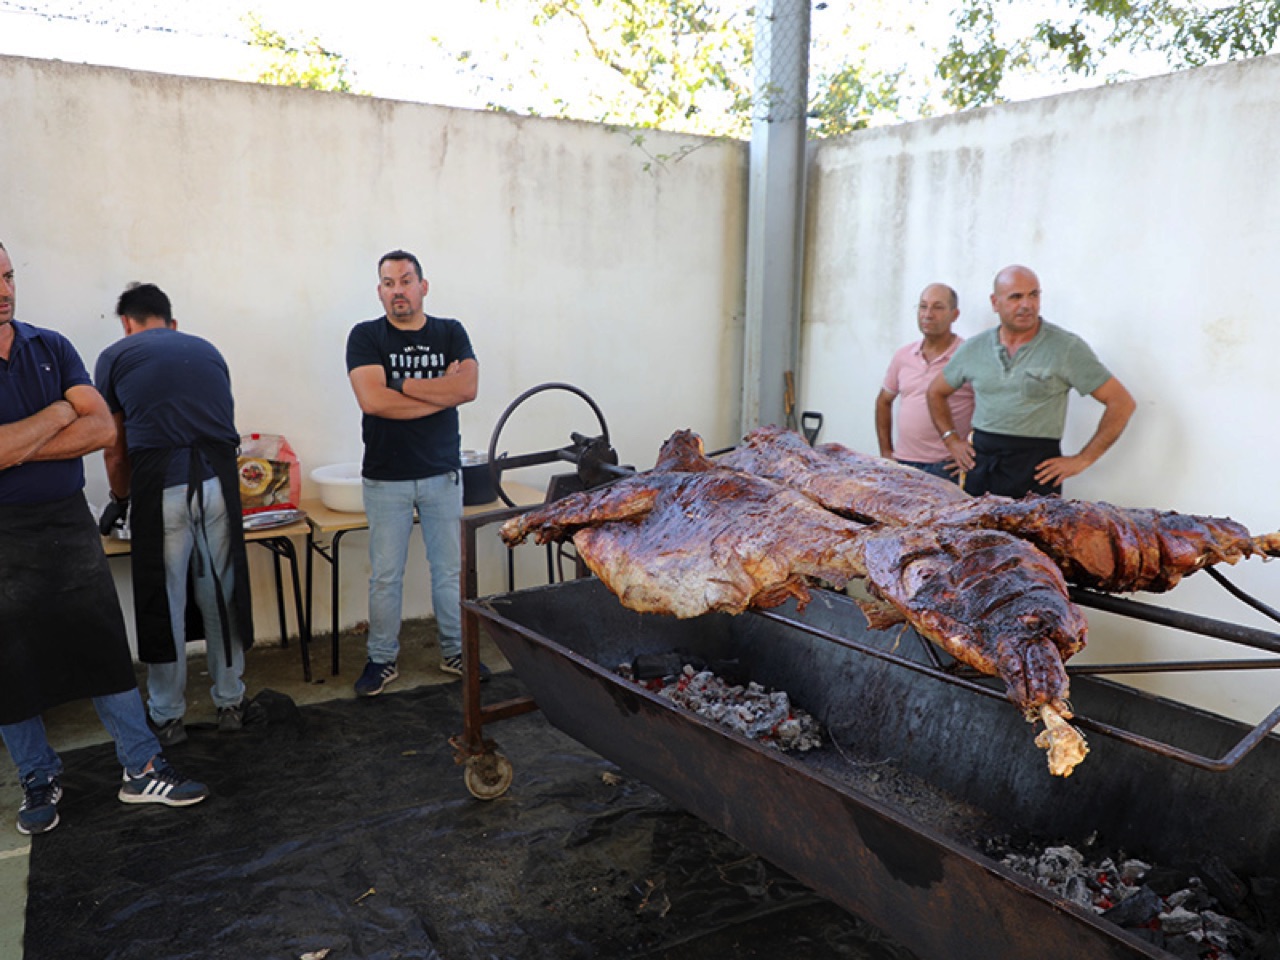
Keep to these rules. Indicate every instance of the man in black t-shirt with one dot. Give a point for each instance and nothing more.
(410, 372)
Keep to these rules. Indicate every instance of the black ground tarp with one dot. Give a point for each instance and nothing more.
(345, 826)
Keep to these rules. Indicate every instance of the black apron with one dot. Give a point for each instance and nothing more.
(146, 520)
(1006, 465)
(62, 635)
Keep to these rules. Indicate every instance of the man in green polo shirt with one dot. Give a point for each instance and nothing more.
(1022, 372)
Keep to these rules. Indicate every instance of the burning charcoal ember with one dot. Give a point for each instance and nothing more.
(1057, 864)
(1186, 946)
(1193, 897)
(1179, 920)
(1228, 889)
(1167, 907)
(1138, 910)
(751, 710)
(1231, 938)
(1133, 871)
(1167, 880)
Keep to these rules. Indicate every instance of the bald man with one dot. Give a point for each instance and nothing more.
(907, 380)
(1021, 373)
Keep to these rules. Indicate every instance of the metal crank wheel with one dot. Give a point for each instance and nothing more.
(487, 775)
(596, 460)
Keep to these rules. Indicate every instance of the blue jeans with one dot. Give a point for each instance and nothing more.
(204, 548)
(938, 469)
(121, 713)
(389, 505)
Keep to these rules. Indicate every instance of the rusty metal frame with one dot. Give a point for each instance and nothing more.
(475, 714)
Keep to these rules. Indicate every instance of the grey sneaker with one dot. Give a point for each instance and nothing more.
(375, 678)
(231, 719)
(39, 810)
(160, 783)
(169, 734)
(453, 665)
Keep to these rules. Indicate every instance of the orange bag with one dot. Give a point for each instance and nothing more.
(270, 474)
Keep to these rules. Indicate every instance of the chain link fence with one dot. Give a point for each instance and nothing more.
(781, 60)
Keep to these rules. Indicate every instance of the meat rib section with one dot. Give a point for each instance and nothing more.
(852, 484)
(1096, 545)
(1115, 549)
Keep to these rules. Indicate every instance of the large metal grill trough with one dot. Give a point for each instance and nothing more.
(905, 851)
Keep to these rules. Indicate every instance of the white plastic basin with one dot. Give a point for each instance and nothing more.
(341, 488)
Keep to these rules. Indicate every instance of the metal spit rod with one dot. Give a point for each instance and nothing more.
(1214, 764)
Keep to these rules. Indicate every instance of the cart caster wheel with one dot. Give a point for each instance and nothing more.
(488, 776)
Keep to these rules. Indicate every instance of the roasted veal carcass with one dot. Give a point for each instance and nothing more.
(692, 536)
(1096, 545)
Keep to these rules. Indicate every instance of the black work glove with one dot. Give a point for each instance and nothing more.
(113, 515)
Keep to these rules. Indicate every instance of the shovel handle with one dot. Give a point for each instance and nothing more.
(811, 425)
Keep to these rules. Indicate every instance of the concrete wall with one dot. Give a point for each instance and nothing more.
(1150, 212)
(566, 249)
(1147, 208)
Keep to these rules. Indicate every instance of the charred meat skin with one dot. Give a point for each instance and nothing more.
(1109, 548)
(852, 484)
(1096, 545)
(688, 538)
(990, 600)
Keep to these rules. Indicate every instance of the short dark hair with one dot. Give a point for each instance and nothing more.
(401, 255)
(142, 301)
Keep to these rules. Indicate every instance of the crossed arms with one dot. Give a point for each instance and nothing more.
(77, 424)
(420, 398)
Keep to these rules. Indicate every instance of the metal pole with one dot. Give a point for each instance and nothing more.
(775, 210)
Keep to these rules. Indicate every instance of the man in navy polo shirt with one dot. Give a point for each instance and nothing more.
(63, 637)
(174, 465)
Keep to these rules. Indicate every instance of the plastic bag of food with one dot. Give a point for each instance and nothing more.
(270, 474)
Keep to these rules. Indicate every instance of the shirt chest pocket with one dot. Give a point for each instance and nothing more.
(1040, 385)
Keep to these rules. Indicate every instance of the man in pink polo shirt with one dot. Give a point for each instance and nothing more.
(910, 372)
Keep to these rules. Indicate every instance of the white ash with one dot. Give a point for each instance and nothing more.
(1183, 922)
(766, 716)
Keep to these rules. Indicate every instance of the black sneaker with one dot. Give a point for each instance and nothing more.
(160, 783)
(454, 665)
(39, 810)
(231, 719)
(169, 734)
(375, 678)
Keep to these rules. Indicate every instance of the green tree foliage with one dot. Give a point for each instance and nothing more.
(673, 64)
(298, 64)
(1085, 36)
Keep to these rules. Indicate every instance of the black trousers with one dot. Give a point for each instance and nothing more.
(1006, 465)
